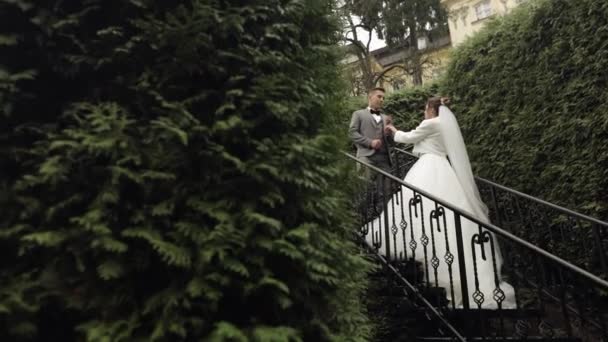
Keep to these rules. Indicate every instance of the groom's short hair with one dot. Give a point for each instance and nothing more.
(375, 89)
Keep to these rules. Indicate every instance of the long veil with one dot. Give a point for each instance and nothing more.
(459, 158)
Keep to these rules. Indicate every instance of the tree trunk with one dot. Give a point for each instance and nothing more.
(417, 74)
(415, 57)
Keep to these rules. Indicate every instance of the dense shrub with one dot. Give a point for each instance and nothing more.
(169, 172)
(530, 91)
(407, 105)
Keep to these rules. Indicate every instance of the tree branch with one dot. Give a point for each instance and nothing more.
(394, 66)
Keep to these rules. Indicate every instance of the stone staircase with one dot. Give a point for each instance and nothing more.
(555, 259)
(400, 315)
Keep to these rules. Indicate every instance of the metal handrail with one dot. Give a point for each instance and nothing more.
(529, 197)
(493, 228)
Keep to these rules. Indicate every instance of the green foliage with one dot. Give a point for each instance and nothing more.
(407, 105)
(530, 92)
(171, 172)
(402, 21)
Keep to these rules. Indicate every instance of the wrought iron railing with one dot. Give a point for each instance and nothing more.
(459, 255)
(580, 239)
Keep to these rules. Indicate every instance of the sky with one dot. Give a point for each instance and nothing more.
(362, 34)
(375, 44)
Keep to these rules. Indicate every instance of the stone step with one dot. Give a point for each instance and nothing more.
(400, 315)
(488, 313)
(510, 339)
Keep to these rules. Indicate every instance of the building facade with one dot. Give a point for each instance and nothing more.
(466, 17)
(390, 63)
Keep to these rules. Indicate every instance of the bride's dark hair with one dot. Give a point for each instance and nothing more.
(434, 103)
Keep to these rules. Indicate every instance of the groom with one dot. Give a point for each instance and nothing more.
(367, 133)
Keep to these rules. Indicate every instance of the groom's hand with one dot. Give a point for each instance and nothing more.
(376, 144)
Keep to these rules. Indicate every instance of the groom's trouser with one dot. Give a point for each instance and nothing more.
(378, 189)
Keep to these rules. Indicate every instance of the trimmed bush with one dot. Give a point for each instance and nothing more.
(169, 172)
(531, 94)
(407, 105)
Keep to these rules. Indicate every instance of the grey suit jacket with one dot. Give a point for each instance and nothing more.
(362, 131)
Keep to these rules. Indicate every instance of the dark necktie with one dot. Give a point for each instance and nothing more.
(373, 111)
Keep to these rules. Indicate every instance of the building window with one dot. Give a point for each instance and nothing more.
(483, 9)
(422, 43)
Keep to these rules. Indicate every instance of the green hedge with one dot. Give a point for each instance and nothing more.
(407, 105)
(169, 172)
(531, 94)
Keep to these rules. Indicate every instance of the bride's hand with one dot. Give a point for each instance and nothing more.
(389, 129)
(388, 120)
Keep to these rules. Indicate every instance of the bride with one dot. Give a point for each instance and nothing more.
(443, 171)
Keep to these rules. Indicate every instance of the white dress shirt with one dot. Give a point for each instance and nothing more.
(377, 117)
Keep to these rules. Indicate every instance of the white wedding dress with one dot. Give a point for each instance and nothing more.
(434, 140)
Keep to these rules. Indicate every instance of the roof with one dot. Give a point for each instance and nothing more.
(390, 55)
